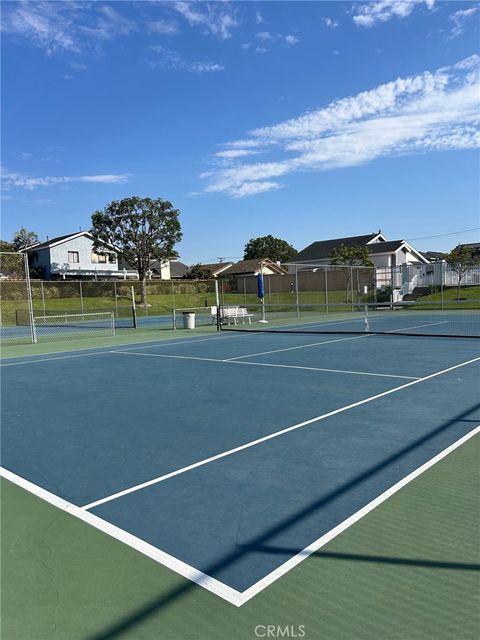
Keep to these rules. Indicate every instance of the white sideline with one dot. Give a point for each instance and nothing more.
(207, 582)
(136, 345)
(267, 364)
(213, 585)
(333, 533)
(276, 434)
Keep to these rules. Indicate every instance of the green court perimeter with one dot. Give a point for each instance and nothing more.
(408, 569)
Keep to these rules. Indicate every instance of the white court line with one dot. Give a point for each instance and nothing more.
(267, 364)
(302, 346)
(276, 434)
(207, 582)
(213, 585)
(141, 345)
(333, 533)
(418, 326)
(315, 344)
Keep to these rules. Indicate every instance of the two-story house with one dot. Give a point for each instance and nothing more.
(73, 257)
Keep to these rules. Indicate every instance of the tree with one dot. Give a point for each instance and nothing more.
(269, 247)
(140, 230)
(198, 272)
(350, 256)
(461, 259)
(23, 239)
(12, 266)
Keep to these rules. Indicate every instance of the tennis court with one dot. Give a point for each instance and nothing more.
(229, 458)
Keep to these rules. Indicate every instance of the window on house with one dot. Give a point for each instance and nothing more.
(112, 257)
(73, 256)
(97, 258)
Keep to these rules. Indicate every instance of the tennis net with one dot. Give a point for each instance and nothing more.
(450, 318)
(74, 325)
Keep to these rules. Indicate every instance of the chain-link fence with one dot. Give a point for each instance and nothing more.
(15, 298)
(300, 285)
(303, 285)
(59, 297)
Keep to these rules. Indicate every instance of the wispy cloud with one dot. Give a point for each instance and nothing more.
(13, 179)
(268, 39)
(459, 18)
(219, 18)
(108, 24)
(232, 154)
(432, 111)
(48, 25)
(370, 13)
(331, 24)
(64, 26)
(173, 60)
(163, 27)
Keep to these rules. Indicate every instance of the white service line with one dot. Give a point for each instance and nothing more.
(302, 346)
(418, 326)
(276, 434)
(267, 364)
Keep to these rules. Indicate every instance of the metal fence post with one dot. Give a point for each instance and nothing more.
(296, 291)
(326, 289)
(81, 295)
(43, 298)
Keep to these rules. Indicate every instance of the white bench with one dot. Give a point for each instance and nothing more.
(234, 314)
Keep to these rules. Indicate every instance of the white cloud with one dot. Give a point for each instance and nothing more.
(172, 60)
(370, 13)
(219, 18)
(163, 27)
(109, 24)
(459, 18)
(264, 35)
(13, 179)
(230, 154)
(331, 24)
(291, 39)
(258, 17)
(64, 26)
(433, 111)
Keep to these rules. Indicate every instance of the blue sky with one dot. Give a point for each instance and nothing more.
(304, 120)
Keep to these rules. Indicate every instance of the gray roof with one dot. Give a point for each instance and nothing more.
(50, 241)
(385, 247)
(322, 249)
(178, 269)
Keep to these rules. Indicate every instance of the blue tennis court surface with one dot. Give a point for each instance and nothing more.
(232, 454)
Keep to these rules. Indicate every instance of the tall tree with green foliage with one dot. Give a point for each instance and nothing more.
(12, 265)
(461, 259)
(24, 238)
(269, 247)
(140, 230)
(350, 256)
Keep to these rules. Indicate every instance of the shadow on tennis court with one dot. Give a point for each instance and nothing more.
(331, 555)
(261, 542)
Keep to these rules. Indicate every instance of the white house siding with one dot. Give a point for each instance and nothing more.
(60, 265)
